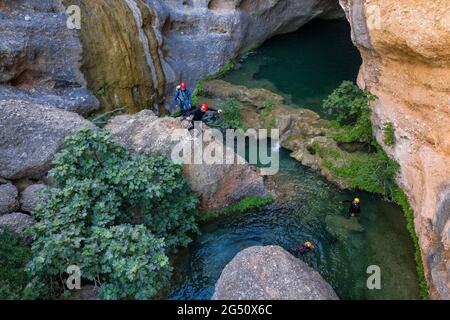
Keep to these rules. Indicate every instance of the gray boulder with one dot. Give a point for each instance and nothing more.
(30, 197)
(31, 136)
(16, 221)
(270, 273)
(8, 198)
(218, 185)
(40, 57)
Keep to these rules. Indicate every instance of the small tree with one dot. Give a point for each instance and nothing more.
(115, 215)
(348, 106)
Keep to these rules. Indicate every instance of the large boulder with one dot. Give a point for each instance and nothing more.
(218, 185)
(16, 221)
(8, 198)
(31, 135)
(270, 273)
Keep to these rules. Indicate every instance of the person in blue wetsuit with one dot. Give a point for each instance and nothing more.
(183, 99)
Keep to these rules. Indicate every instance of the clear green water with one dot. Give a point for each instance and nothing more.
(345, 247)
(304, 66)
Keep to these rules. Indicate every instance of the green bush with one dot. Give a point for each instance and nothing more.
(115, 215)
(13, 258)
(389, 134)
(231, 115)
(348, 106)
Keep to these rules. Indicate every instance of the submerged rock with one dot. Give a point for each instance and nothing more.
(218, 185)
(270, 273)
(31, 136)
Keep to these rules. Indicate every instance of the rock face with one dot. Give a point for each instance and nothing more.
(121, 58)
(270, 273)
(31, 134)
(8, 198)
(39, 57)
(407, 66)
(16, 221)
(218, 185)
(136, 50)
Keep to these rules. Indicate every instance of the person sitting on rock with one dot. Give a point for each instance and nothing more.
(307, 247)
(355, 207)
(183, 99)
(200, 114)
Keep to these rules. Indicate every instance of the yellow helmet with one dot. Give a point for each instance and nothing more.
(356, 200)
(309, 244)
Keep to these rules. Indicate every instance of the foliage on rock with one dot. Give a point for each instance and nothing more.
(115, 215)
(348, 106)
(13, 258)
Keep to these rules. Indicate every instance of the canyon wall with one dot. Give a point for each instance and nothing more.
(136, 51)
(405, 46)
(39, 57)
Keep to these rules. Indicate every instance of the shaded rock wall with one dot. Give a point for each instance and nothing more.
(39, 57)
(405, 46)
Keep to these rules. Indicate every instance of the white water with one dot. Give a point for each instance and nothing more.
(143, 37)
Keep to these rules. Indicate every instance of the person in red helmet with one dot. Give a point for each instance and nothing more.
(183, 99)
(201, 114)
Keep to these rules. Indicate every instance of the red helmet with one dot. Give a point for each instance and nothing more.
(183, 86)
(204, 107)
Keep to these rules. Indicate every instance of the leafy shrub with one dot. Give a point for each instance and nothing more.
(13, 258)
(389, 134)
(348, 106)
(115, 216)
(231, 115)
(267, 106)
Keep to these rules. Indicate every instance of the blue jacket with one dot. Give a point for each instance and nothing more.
(182, 98)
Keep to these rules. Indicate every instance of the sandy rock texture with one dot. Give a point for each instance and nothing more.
(405, 46)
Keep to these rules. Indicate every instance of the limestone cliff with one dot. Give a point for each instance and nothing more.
(121, 61)
(405, 46)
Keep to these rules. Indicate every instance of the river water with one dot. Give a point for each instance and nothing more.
(304, 67)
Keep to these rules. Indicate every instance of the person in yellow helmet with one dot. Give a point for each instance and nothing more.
(307, 247)
(355, 207)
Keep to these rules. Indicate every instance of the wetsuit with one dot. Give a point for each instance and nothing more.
(199, 115)
(183, 100)
(354, 209)
(304, 249)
